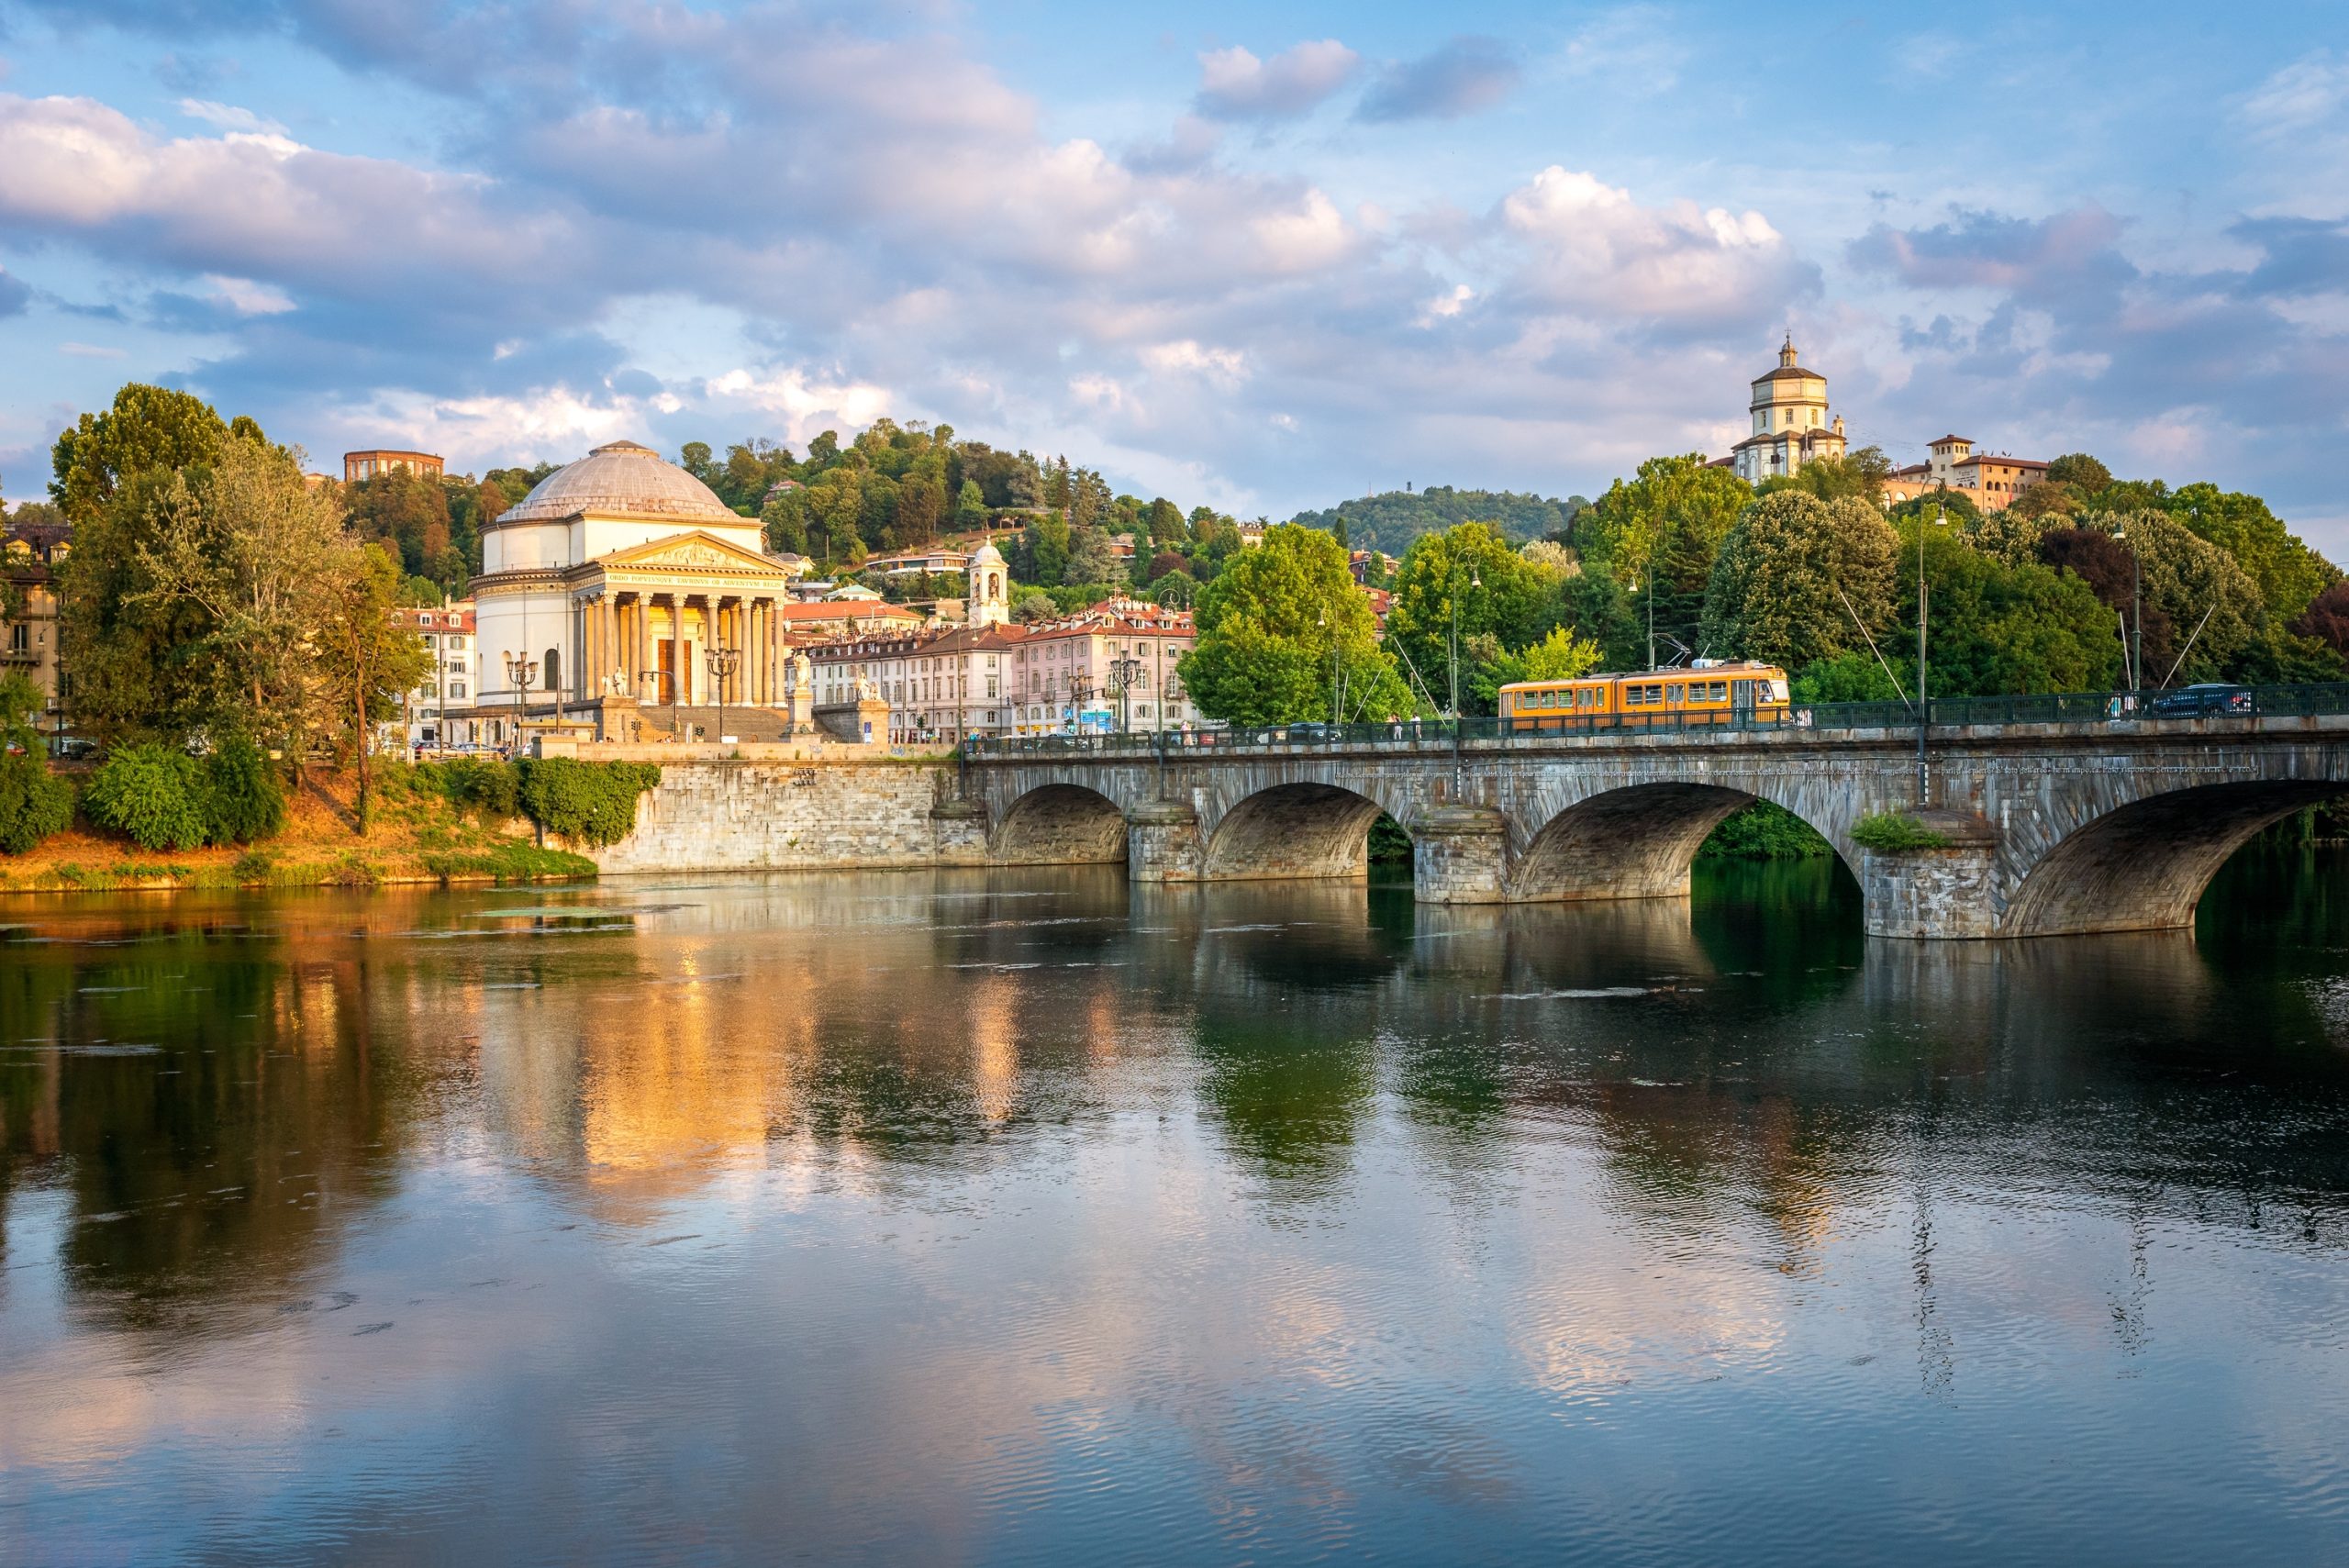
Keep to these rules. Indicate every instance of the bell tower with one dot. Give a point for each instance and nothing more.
(988, 599)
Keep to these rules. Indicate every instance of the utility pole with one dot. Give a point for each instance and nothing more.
(1924, 708)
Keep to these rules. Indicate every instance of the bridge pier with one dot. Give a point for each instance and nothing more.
(1162, 842)
(958, 830)
(1948, 893)
(1460, 855)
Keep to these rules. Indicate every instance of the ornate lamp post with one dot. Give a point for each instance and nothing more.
(1925, 708)
(1122, 671)
(723, 662)
(2136, 609)
(519, 673)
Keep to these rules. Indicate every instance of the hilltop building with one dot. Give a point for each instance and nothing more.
(357, 466)
(30, 553)
(1791, 424)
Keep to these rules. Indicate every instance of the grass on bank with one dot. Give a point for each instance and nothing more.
(419, 834)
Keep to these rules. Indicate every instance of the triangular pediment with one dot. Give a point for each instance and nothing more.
(694, 551)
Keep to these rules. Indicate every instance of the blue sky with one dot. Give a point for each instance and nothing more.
(1260, 256)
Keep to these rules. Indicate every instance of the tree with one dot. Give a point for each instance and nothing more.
(1163, 521)
(971, 507)
(2327, 619)
(2048, 499)
(1794, 573)
(1033, 604)
(2209, 599)
(1624, 530)
(783, 522)
(1284, 635)
(1860, 473)
(2289, 573)
(2104, 565)
(2082, 472)
(1391, 520)
(1045, 549)
(409, 515)
(34, 803)
(148, 429)
(2000, 627)
(1090, 559)
(1165, 562)
(1498, 593)
(248, 551)
(364, 656)
(1953, 506)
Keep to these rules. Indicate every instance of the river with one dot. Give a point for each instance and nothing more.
(1027, 1217)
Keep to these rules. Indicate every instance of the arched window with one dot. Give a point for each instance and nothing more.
(553, 668)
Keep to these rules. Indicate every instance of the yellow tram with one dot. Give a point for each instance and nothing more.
(1708, 691)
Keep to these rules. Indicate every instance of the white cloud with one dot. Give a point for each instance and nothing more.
(1591, 247)
(228, 117)
(247, 297)
(2303, 95)
(1235, 84)
(89, 351)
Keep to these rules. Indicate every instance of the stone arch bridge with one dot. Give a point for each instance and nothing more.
(2046, 828)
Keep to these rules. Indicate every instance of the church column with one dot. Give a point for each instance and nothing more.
(680, 649)
(753, 660)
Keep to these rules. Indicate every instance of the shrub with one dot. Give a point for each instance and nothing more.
(1763, 831)
(155, 796)
(587, 802)
(487, 786)
(34, 802)
(1889, 832)
(247, 802)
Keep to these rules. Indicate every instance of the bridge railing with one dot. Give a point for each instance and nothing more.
(2190, 705)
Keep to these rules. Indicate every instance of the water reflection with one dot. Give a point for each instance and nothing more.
(988, 1217)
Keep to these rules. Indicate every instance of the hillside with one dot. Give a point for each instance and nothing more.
(1391, 520)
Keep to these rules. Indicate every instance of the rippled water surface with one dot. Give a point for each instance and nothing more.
(1002, 1219)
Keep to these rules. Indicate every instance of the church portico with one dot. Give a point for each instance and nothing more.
(623, 585)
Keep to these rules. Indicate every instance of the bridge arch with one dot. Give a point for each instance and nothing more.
(2146, 863)
(1059, 824)
(1299, 829)
(1633, 841)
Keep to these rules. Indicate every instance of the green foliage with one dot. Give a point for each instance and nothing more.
(148, 429)
(2288, 574)
(1283, 630)
(1561, 656)
(2192, 584)
(587, 802)
(1860, 474)
(1997, 629)
(244, 800)
(1892, 832)
(1390, 521)
(513, 860)
(487, 788)
(156, 796)
(1792, 576)
(1763, 831)
(1504, 602)
(2081, 473)
(1953, 507)
(35, 804)
(1853, 677)
(1389, 843)
(1670, 518)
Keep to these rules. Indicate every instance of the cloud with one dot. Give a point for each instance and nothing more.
(90, 351)
(16, 294)
(247, 297)
(1588, 247)
(1464, 77)
(227, 116)
(1236, 85)
(1982, 249)
(2301, 96)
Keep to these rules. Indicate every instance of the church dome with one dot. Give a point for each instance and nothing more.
(987, 556)
(622, 480)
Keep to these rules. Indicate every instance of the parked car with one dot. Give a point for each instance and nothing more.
(2209, 697)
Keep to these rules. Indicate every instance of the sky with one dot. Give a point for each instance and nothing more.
(1262, 257)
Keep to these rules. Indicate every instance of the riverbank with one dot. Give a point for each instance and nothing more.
(418, 837)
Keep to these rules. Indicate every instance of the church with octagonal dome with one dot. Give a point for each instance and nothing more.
(622, 584)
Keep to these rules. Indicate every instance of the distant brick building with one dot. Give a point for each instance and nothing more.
(357, 466)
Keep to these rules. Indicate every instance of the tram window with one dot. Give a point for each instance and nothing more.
(1721, 691)
(1656, 695)
(1633, 696)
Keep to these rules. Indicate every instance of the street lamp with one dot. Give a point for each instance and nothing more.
(1924, 710)
(1476, 580)
(723, 662)
(1122, 671)
(2136, 608)
(519, 673)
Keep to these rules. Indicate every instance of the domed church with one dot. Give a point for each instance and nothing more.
(605, 594)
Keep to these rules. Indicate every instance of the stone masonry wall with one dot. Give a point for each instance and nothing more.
(728, 816)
